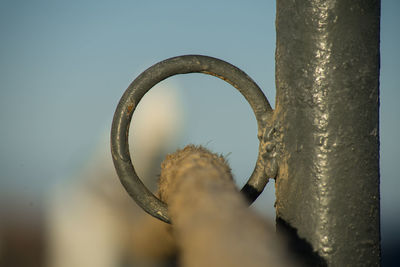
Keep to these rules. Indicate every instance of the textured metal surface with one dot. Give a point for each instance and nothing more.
(150, 77)
(327, 75)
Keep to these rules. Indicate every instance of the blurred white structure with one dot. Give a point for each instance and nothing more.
(91, 218)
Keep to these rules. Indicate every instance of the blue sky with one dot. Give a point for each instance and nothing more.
(65, 64)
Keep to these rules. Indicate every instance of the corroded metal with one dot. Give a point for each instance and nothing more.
(327, 76)
(153, 75)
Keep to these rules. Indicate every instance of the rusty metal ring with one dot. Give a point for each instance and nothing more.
(142, 84)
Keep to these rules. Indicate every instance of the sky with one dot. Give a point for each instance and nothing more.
(64, 67)
(65, 64)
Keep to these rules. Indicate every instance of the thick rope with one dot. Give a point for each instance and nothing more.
(212, 223)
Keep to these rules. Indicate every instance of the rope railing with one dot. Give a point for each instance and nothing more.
(320, 144)
(212, 224)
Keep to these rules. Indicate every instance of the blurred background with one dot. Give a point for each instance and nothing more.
(63, 67)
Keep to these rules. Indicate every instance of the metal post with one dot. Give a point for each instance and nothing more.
(327, 76)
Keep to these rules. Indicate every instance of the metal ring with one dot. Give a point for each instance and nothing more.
(142, 84)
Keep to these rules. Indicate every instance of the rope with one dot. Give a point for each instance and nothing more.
(211, 222)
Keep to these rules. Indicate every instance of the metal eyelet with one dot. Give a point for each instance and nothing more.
(155, 74)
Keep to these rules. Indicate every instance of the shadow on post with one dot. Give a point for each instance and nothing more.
(299, 248)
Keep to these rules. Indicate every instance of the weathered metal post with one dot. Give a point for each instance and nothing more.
(327, 113)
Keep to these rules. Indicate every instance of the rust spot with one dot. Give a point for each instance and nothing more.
(283, 174)
(130, 108)
(221, 77)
